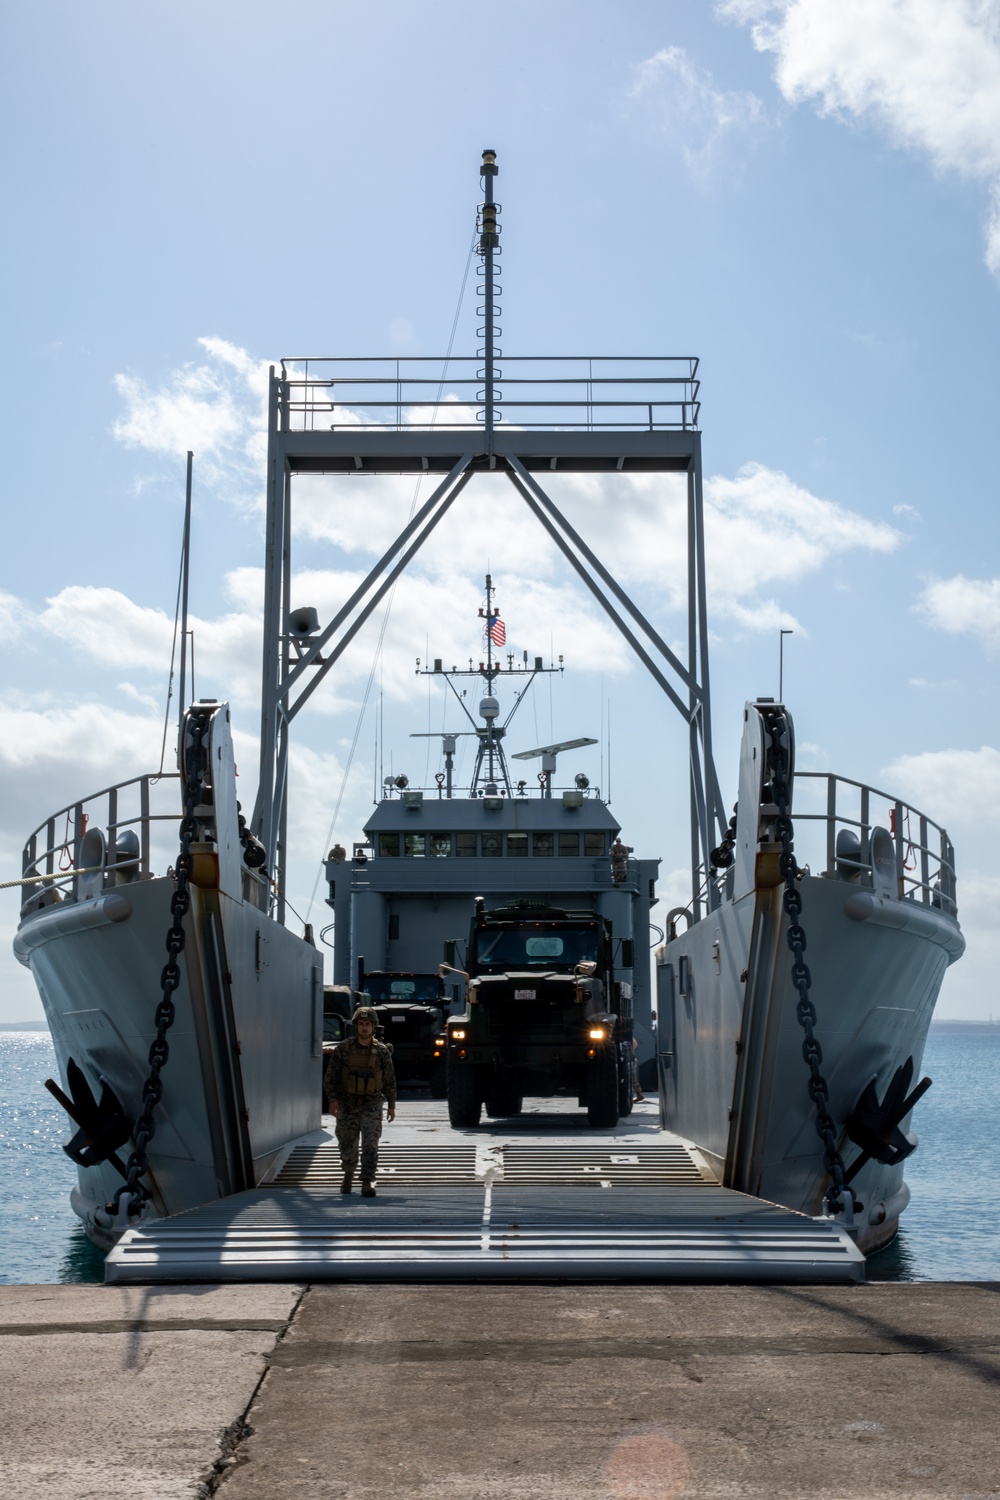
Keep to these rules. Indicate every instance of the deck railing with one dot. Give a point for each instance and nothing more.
(538, 392)
(55, 858)
(824, 805)
(925, 856)
(53, 851)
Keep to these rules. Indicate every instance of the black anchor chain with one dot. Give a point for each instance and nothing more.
(194, 761)
(778, 761)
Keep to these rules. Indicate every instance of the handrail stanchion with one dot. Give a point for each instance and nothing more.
(79, 820)
(831, 826)
(112, 833)
(925, 874)
(144, 828)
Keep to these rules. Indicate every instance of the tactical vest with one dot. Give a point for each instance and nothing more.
(363, 1071)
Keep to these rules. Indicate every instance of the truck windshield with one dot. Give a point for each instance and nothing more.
(542, 945)
(403, 988)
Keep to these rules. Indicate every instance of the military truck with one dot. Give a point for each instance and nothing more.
(544, 1015)
(339, 1004)
(412, 1011)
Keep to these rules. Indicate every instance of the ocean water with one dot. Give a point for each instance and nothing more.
(948, 1233)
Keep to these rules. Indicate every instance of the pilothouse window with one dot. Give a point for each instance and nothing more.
(542, 844)
(517, 845)
(415, 846)
(441, 845)
(569, 843)
(388, 845)
(465, 845)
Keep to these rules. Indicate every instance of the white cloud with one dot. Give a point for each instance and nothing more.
(691, 109)
(51, 756)
(113, 630)
(12, 617)
(761, 528)
(965, 606)
(217, 409)
(927, 70)
(954, 787)
(907, 513)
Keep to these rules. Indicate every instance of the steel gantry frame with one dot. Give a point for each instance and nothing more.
(609, 415)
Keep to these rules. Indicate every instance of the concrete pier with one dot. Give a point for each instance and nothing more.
(451, 1392)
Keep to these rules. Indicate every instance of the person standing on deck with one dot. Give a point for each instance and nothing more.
(359, 1079)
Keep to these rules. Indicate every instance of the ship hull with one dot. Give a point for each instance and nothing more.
(733, 1075)
(243, 1074)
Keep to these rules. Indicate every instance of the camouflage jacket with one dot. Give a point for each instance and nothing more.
(355, 1072)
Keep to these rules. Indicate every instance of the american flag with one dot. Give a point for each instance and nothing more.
(498, 631)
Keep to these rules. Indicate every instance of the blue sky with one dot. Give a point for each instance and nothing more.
(802, 193)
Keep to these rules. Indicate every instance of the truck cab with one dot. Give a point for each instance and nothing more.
(412, 1009)
(544, 1016)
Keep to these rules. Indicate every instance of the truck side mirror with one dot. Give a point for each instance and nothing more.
(628, 953)
(449, 952)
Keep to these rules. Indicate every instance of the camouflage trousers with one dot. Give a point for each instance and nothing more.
(360, 1120)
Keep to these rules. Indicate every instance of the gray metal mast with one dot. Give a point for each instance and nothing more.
(605, 416)
(489, 250)
(491, 759)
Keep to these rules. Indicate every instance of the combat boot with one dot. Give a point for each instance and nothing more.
(345, 1186)
(367, 1188)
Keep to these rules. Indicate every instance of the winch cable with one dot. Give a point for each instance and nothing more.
(838, 1196)
(392, 594)
(194, 760)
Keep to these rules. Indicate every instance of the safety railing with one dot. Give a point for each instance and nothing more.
(844, 813)
(57, 851)
(536, 392)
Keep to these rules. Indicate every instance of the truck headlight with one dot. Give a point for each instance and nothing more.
(598, 1034)
(458, 1035)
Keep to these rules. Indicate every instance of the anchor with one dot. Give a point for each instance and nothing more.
(874, 1126)
(103, 1126)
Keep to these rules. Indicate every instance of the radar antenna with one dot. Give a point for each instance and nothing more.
(548, 754)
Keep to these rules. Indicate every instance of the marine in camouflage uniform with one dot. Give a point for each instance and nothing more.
(359, 1079)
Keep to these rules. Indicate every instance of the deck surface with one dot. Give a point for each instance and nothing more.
(540, 1197)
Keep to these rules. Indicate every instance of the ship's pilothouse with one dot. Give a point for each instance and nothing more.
(491, 775)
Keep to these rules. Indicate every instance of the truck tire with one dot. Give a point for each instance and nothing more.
(464, 1100)
(602, 1090)
(504, 1103)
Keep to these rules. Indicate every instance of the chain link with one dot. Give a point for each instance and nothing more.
(195, 758)
(778, 729)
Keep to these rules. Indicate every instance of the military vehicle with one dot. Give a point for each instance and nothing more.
(412, 1010)
(339, 1004)
(544, 1015)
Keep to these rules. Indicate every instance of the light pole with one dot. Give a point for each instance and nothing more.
(781, 662)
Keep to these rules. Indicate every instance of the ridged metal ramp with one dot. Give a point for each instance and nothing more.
(511, 1211)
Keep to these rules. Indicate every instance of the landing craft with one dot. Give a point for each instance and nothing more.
(793, 991)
